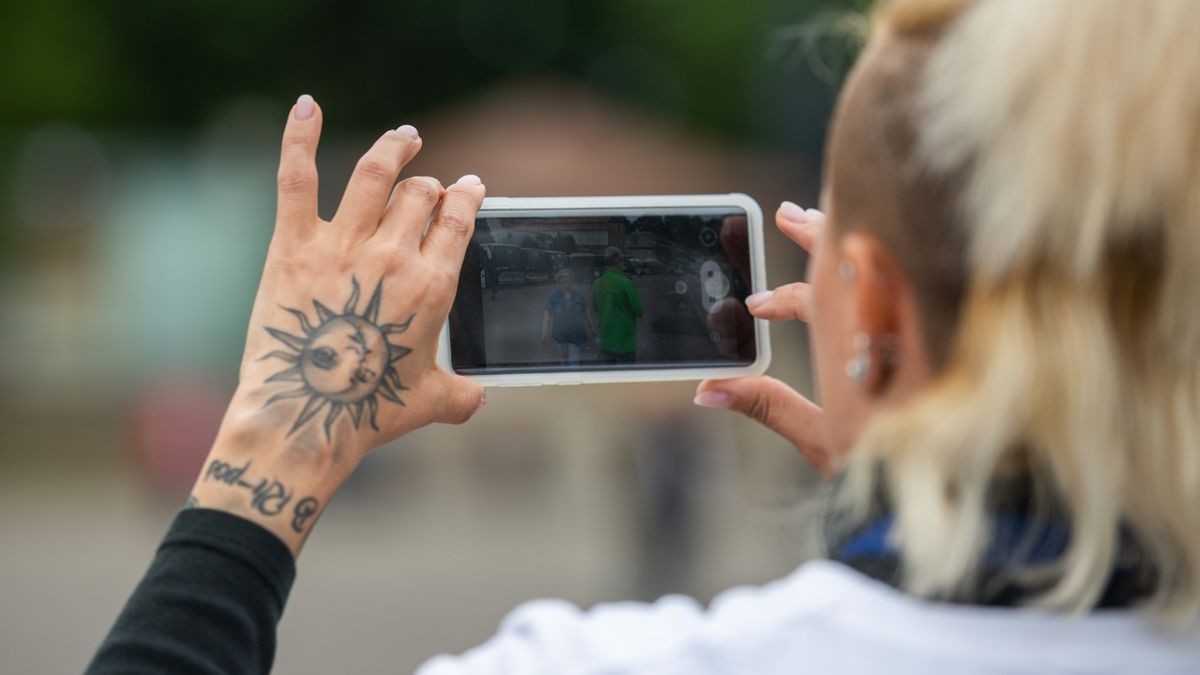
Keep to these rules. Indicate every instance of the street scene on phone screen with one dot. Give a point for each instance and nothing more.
(610, 291)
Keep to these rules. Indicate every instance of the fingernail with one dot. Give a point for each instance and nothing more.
(305, 107)
(758, 298)
(713, 399)
(814, 214)
(408, 130)
(792, 211)
(482, 403)
(469, 179)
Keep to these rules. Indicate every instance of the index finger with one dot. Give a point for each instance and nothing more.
(297, 179)
(801, 226)
(789, 302)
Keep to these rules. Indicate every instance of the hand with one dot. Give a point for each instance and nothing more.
(766, 399)
(340, 354)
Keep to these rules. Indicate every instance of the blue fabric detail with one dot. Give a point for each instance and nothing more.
(1012, 542)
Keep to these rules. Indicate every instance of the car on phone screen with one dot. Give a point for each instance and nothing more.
(644, 267)
(538, 266)
(509, 261)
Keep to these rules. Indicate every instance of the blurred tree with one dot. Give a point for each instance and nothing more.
(150, 70)
(140, 64)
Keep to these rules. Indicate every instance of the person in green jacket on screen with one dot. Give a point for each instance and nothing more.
(617, 305)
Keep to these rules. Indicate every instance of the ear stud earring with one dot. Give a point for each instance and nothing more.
(846, 271)
(859, 367)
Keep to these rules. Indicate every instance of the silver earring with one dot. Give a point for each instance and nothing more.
(859, 367)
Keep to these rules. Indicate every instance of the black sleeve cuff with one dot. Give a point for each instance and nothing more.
(248, 542)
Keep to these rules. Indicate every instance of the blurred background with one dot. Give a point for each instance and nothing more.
(138, 143)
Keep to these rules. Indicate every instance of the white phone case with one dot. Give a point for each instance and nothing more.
(758, 274)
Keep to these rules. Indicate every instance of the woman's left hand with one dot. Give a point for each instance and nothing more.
(769, 401)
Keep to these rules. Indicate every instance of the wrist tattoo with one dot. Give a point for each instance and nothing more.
(305, 508)
(191, 503)
(268, 497)
(343, 362)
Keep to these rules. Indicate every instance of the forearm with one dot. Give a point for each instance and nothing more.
(209, 603)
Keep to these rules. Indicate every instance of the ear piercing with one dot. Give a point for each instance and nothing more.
(859, 367)
(846, 271)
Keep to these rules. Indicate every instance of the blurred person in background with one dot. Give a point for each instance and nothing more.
(1002, 309)
(491, 272)
(618, 305)
(566, 318)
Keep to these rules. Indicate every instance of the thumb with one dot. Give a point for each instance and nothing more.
(460, 399)
(776, 406)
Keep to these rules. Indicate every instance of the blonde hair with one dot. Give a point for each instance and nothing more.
(1070, 131)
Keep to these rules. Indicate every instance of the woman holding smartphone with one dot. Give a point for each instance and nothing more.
(1004, 328)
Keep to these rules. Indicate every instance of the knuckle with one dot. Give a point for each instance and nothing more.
(760, 409)
(295, 179)
(296, 143)
(456, 223)
(425, 189)
(376, 169)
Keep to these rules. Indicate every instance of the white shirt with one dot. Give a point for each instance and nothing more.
(822, 618)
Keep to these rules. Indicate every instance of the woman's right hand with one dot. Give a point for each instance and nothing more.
(767, 400)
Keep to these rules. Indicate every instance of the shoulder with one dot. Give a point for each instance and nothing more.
(674, 634)
(825, 616)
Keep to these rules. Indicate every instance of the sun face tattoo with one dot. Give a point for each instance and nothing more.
(344, 362)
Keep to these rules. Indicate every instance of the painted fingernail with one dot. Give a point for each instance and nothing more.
(469, 179)
(814, 214)
(758, 298)
(792, 211)
(305, 107)
(713, 399)
(408, 130)
(482, 402)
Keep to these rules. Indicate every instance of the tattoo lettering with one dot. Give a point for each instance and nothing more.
(344, 361)
(226, 473)
(305, 508)
(268, 497)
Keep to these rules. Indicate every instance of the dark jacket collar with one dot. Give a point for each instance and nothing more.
(1027, 536)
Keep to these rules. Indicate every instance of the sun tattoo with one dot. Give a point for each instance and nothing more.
(344, 362)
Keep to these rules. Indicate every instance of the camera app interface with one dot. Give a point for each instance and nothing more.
(598, 289)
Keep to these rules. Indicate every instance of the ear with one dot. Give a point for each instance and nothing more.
(881, 293)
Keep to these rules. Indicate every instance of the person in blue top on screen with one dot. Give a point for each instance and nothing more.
(566, 319)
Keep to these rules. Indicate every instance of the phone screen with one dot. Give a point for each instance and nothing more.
(602, 289)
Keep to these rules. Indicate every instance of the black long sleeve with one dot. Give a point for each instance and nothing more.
(210, 602)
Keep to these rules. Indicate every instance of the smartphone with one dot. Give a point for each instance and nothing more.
(573, 290)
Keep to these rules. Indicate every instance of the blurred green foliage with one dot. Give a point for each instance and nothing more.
(752, 72)
(147, 66)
